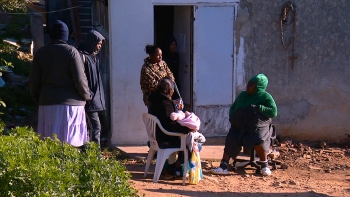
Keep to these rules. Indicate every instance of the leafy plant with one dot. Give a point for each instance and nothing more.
(17, 98)
(32, 167)
(9, 57)
(17, 26)
(4, 105)
(11, 5)
(6, 64)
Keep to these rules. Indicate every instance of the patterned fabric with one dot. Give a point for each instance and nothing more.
(150, 76)
(195, 170)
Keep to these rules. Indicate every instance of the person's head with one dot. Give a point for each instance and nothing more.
(155, 53)
(59, 31)
(170, 44)
(92, 42)
(166, 86)
(257, 83)
(172, 47)
(251, 87)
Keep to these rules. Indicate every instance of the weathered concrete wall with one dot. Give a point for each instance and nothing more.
(36, 28)
(127, 41)
(312, 98)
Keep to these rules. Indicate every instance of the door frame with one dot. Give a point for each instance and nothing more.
(194, 4)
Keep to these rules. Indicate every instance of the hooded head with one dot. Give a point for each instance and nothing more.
(90, 42)
(260, 82)
(59, 31)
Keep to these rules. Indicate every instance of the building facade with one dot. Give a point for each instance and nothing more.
(221, 45)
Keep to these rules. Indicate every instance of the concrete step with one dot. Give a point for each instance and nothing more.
(84, 11)
(87, 23)
(84, 16)
(218, 141)
(208, 153)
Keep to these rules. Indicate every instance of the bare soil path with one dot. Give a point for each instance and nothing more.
(311, 172)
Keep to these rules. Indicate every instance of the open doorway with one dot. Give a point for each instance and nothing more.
(177, 22)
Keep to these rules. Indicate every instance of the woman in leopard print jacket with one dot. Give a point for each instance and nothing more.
(152, 71)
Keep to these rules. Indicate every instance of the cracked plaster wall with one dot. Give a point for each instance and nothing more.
(313, 98)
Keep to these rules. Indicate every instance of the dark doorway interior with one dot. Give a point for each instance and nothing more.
(163, 24)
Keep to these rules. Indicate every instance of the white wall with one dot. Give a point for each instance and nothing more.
(131, 28)
(190, 2)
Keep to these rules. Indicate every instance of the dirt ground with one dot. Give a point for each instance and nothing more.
(305, 170)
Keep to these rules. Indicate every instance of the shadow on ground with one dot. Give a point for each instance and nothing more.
(232, 194)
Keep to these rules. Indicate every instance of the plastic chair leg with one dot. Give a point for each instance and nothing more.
(185, 167)
(149, 159)
(161, 157)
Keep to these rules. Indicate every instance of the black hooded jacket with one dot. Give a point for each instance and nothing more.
(92, 71)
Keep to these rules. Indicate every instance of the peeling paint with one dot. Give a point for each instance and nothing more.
(214, 120)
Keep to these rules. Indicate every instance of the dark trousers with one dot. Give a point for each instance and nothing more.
(248, 128)
(94, 126)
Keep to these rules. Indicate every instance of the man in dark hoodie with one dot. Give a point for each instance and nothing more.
(58, 84)
(250, 116)
(88, 49)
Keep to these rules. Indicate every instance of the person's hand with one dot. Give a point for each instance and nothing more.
(89, 99)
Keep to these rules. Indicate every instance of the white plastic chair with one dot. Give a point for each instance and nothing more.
(151, 122)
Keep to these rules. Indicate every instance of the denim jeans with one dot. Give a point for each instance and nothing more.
(94, 126)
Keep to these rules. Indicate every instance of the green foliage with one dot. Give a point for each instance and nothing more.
(6, 64)
(32, 167)
(3, 105)
(18, 27)
(17, 98)
(9, 56)
(11, 5)
(2, 125)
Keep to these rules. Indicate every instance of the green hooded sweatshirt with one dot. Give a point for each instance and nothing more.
(261, 98)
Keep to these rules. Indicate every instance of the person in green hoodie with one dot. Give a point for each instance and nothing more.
(250, 116)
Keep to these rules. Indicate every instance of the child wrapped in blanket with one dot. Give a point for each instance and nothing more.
(191, 121)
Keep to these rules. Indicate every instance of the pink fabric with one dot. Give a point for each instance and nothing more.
(192, 121)
(67, 122)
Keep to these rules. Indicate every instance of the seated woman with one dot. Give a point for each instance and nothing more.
(250, 117)
(162, 106)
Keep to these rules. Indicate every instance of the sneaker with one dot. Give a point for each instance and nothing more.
(219, 171)
(266, 171)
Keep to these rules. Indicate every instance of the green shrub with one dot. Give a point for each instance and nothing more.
(9, 54)
(17, 27)
(18, 101)
(32, 167)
